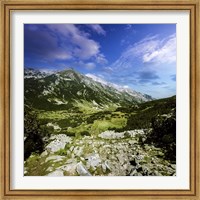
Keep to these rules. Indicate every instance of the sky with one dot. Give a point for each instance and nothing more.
(141, 57)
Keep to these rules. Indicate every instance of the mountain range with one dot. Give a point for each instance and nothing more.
(68, 89)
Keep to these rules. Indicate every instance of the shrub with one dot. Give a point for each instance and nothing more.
(163, 134)
(33, 132)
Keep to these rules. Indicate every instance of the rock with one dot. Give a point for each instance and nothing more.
(71, 148)
(103, 167)
(55, 126)
(138, 174)
(93, 160)
(173, 166)
(44, 153)
(139, 157)
(59, 142)
(113, 155)
(68, 152)
(90, 142)
(121, 158)
(133, 172)
(55, 158)
(70, 160)
(72, 155)
(170, 170)
(119, 135)
(107, 165)
(49, 169)
(135, 132)
(132, 142)
(125, 166)
(156, 173)
(82, 159)
(78, 151)
(145, 170)
(111, 135)
(70, 168)
(102, 143)
(129, 169)
(81, 170)
(58, 172)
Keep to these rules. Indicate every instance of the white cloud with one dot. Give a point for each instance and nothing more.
(88, 66)
(97, 28)
(77, 41)
(101, 59)
(164, 51)
(61, 55)
(151, 49)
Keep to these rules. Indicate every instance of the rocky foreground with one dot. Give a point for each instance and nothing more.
(108, 154)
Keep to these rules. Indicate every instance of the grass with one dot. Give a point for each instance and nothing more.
(74, 124)
(110, 117)
(103, 125)
(59, 114)
(38, 167)
(86, 107)
(89, 108)
(99, 126)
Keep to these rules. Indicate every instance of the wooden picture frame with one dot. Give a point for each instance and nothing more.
(7, 6)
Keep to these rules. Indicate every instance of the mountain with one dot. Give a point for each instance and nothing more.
(33, 73)
(71, 90)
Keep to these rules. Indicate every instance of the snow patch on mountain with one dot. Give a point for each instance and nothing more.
(102, 81)
(120, 88)
(33, 73)
(97, 79)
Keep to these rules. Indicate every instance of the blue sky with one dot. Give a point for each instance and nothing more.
(137, 56)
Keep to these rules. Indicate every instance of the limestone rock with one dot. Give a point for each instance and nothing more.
(81, 170)
(58, 172)
(55, 158)
(59, 142)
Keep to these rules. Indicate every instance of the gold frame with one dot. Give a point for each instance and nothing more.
(9, 5)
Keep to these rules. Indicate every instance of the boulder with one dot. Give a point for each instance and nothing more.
(82, 170)
(93, 160)
(55, 158)
(59, 142)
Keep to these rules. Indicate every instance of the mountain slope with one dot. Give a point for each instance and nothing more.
(69, 90)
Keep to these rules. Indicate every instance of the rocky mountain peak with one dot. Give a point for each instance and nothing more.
(68, 87)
